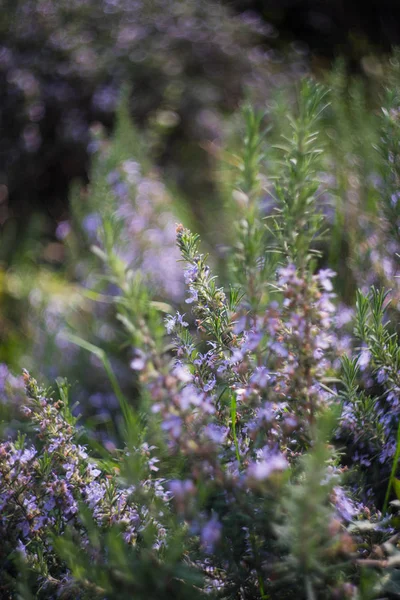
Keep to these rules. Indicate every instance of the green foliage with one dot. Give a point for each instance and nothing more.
(220, 472)
(298, 224)
(308, 531)
(121, 573)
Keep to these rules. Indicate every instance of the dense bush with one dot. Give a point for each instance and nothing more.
(254, 448)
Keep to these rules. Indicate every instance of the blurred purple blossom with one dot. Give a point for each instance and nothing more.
(266, 464)
(211, 534)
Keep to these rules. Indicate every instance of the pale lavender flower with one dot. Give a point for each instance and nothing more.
(181, 489)
(266, 464)
(94, 493)
(364, 358)
(182, 373)
(191, 274)
(260, 377)
(216, 433)
(194, 296)
(209, 385)
(325, 279)
(344, 506)
(211, 534)
(172, 424)
(28, 455)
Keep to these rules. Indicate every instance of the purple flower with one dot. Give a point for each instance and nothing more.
(94, 492)
(180, 489)
(211, 534)
(343, 504)
(286, 274)
(325, 276)
(364, 359)
(172, 424)
(70, 469)
(260, 377)
(394, 198)
(189, 397)
(279, 349)
(91, 223)
(266, 464)
(28, 455)
(191, 274)
(182, 373)
(49, 504)
(93, 471)
(253, 341)
(63, 229)
(216, 433)
(209, 385)
(381, 376)
(179, 319)
(139, 362)
(193, 296)
(171, 322)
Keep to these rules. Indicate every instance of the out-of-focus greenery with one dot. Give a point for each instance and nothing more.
(62, 66)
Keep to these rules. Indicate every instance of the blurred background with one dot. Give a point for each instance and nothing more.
(126, 104)
(189, 64)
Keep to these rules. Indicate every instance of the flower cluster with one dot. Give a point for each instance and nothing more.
(243, 411)
(258, 455)
(275, 362)
(45, 484)
(143, 210)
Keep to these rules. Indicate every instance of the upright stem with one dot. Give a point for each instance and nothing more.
(393, 472)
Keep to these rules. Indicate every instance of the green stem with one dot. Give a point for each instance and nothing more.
(262, 591)
(233, 418)
(101, 355)
(393, 472)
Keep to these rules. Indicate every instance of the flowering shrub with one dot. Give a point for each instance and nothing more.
(256, 459)
(45, 486)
